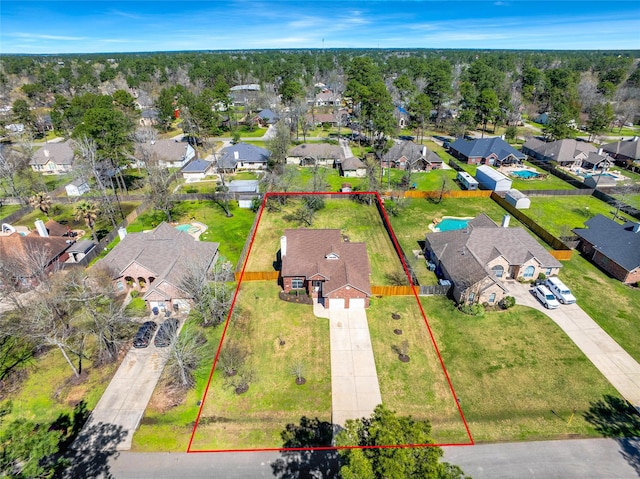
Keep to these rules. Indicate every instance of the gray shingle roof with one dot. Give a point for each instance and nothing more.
(352, 163)
(484, 147)
(628, 148)
(59, 153)
(245, 153)
(615, 241)
(196, 166)
(317, 150)
(560, 150)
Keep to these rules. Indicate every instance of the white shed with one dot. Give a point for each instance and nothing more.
(77, 187)
(492, 179)
(518, 199)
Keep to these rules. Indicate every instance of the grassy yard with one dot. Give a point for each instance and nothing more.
(6, 210)
(560, 214)
(516, 374)
(256, 418)
(360, 222)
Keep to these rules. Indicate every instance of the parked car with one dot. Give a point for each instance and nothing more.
(144, 334)
(166, 333)
(560, 290)
(546, 297)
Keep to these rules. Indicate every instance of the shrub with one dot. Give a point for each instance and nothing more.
(542, 277)
(475, 309)
(137, 308)
(135, 293)
(507, 302)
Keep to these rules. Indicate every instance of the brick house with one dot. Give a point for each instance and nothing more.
(486, 151)
(408, 155)
(612, 246)
(335, 273)
(154, 264)
(478, 258)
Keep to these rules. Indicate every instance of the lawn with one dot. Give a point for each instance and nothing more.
(516, 374)
(6, 210)
(256, 418)
(560, 214)
(360, 222)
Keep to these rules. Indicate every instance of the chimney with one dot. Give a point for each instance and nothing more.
(505, 221)
(42, 230)
(236, 155)
(600, 150)
(636, 227)
(122, 232)
(424, 151)
(283, 246)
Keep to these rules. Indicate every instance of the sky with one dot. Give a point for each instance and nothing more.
(84, 26)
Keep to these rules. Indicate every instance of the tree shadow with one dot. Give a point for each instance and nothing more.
(90, 453)
(615, 418)
(313, 456)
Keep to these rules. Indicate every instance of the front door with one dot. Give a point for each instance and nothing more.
(316, 287)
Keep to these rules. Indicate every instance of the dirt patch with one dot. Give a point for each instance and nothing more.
(166, 398)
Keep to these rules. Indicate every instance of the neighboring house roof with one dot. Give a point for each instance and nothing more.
(150, 113)
(627, 148)
(171, 150)
(247, 87)
(269, 115)
(78, 182)
(485, 147)
(196, 166)
(54, 229)
(412, 152)
(242, 152)
(83, 246)
(58, 153)
(598, 180)
(595, 159)
(323, 117)
(465, 253)
(617, 242)
(543, 118)
(560, 150)
(352, 163)
(317, 150)
(243, 186)
(311, 252)
(164, 251)
(16, 249)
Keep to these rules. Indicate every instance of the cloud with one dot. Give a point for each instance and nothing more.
(40, 36)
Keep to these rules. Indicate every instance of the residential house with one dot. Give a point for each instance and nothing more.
(312, 154)
(148, 117)
(171, 153)
(77, 187)
(317, 119)
(479, 258)
(326, 98)
(491, 179)
(155, 262)
(243, 156)
(486, 151)
(53, 158)
(568, 153)
(402, 116)
(624, 152)
(196, 170)
(597, 161)
(335, 273)
(542, 118)
(242, 95)
(409, 155)
(613, 247)
(266, 117)
(352, 167)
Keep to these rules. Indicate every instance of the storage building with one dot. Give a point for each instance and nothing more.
(491, 179)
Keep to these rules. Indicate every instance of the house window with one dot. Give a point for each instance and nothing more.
(547, 272)
(297, 283)
(528, 272)
(119, 286)
(472, 296)
(498, 271)
(492, 297)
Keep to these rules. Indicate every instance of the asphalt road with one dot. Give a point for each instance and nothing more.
(578, 458)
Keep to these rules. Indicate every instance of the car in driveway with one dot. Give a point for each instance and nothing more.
(143, 337)
(560, 290)
(546, 297)
(166, 333)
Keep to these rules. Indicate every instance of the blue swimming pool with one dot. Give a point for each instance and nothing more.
(451, 224)
(525, 174)
(187, 228)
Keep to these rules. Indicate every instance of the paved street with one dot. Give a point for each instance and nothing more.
(620, 369)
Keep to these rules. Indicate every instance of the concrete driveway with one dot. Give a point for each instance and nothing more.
(125, 399)
(622, 371)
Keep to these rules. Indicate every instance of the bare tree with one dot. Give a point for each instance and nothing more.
(207, 287)
(143, 139)
(232, 358)
(159, 194)
(184, 354)
(14, 171)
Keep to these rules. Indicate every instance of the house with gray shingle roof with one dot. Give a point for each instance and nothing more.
(624, 151)
(53, 158)
(333, 272)
(243, 156)
(155, 263)
(353, 167)
(171, 153)
(266, 117)
(478, 259)
(486, 151)
(569, 152)
(196, 169)
(409, 155)
(613, 247)
(311, 154)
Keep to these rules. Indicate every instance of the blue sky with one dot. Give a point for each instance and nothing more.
(83, 26)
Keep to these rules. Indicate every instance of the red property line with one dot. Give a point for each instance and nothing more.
(235, 296)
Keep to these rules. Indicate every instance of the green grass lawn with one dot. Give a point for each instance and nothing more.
(516, 374)
(360, 222)
(6, 210)
(560, 214)
(256, 418)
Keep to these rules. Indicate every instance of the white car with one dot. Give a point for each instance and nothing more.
(560, 290)
(546, 297)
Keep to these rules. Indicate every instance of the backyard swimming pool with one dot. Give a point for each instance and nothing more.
(525, 174)
(450, 224)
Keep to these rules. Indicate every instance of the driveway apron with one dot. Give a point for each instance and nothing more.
(354, 380)
(620, 369)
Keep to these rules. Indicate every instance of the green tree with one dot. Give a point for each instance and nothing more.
(289, 90)
(376, 459)
(278, 145)
(487, 107)
(22, 113)
(600, 118)
(420, 109)
(88, 212)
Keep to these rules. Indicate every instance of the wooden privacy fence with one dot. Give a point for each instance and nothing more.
(391, 290)
(257, 275)
(447, 194)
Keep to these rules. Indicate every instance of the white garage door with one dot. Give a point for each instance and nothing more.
(336, 303)
(356, 303)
